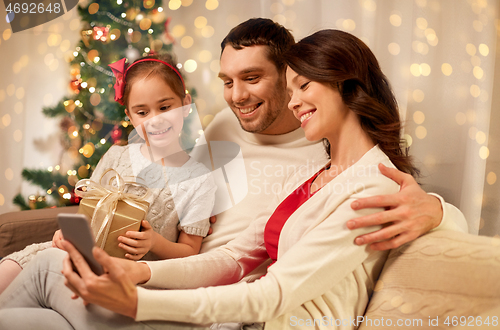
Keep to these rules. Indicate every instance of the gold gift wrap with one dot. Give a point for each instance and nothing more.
(126, 218)
(111, 209)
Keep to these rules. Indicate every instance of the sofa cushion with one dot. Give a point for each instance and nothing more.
(435, 280)
(19, 229)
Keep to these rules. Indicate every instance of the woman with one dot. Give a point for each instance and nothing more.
(340, 95)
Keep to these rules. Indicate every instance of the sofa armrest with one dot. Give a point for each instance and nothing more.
(438, 277)
(19, 229)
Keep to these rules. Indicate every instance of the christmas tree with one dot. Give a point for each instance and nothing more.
(91, 121)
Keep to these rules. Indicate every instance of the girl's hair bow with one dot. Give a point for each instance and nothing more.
(119, 69)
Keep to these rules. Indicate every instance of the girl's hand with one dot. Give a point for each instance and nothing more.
(57, 239)
(138, 243)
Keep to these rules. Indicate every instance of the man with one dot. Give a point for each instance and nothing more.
(273, 149)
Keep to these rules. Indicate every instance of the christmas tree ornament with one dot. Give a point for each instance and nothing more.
(100, 33)
(75, 85)
(66, 123)
(74, 199)
(132, 53)
(116, 134)
(86, 34)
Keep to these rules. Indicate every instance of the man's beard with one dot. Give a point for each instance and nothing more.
(275, 106)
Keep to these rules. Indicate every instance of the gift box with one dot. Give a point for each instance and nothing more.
(125, 218)
(112, 211)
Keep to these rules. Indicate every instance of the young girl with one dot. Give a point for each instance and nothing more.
(182, 190)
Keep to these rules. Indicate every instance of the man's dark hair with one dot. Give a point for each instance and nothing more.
(261, 32)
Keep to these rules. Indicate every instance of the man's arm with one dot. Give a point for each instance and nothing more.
(409, 214)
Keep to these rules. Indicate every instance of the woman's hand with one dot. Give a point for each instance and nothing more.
(409, 213)
(138, 243)
(57, 239)
(115, 290)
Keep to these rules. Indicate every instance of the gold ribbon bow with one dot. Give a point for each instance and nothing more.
(108, 196)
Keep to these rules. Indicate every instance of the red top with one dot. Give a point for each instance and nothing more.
(282, 213)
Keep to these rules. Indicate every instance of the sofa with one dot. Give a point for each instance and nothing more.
(441, 280)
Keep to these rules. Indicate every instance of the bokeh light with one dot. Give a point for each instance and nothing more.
(484, 152)
(408, 139)
(484, 50)
(276, 8)
(470, 49)
(174, 4)
(178, 31)
(18, 135)
(475, 60)
(478, 72)
(215, 66)
(9, 174)
(369, 5)
(475, 91)
(190, 65)
(7, 33)
(20, 93)
(477, 25)
(200, 22)
(446, 69)
(421, 23)
(205, 56)
(187, 42)
(491, 178)
(211, 4)
(207, 31)
(480, 137)
(395, 20)
(93, 8)
(349, 25)
(460, 118)
(418, 117)
(6, 120)
(420, 132)
(394, 48)
(425, 69)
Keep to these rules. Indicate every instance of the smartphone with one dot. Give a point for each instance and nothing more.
(76, 230)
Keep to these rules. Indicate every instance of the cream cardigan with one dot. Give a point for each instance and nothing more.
(320, 273)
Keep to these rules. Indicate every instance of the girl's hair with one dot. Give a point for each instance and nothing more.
(148, 69)
(347, 64)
